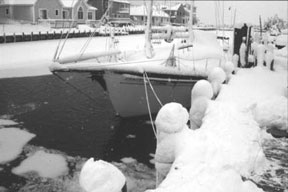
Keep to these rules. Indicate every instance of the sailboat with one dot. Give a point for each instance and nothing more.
(140, 82)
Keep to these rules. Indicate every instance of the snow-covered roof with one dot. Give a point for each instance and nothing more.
(141, 11)
(172, 8)
(17, 2)
(69, 3)
(72, 3)
(121, 1)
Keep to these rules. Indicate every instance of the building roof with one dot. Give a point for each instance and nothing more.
(72, 3)
(65, 3)
(141, 11)
(172, 8)
(121, 1)
(17, 2)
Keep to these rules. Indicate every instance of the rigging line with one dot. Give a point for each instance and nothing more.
(159, 101)
(148, 106)
(70, 28)
(83, 49)
(74, 87)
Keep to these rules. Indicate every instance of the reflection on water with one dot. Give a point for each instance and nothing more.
(78, 124)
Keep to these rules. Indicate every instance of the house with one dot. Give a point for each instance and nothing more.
(118, 13)
(101, 5)
(38, 10)
(139, 15)
(179, 13)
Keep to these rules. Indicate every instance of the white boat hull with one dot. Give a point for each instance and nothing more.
(127, 93)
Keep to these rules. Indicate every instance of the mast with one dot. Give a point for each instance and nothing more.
(148, 33)
(190, 23)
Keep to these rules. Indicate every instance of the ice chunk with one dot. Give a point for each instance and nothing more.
(101, 176)
(7, 122)
(12, 141)
(171, 118)
(45, 164)
(128, 160)
(202, 88)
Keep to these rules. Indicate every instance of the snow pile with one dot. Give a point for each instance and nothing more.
(214, 157)
(281, 40)
(272, 113)
(171, 123)
(281, 52)
(216, 77)
(197, 112)
(45, 164)
(100, 176)
(265, 90)
(201, 93)
(12, 141)
(201, 88)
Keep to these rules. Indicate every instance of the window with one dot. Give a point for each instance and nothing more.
(43, 14)
(56, 12)
(80, 13)
(64, 14)
(7, 11)
(90, 15)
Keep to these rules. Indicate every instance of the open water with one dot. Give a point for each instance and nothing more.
(77, 121)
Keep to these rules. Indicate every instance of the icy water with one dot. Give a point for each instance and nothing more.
(80, 123)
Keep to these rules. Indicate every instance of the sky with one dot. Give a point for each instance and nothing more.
(247, 11)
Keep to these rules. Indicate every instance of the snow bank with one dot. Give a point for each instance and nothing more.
(12, 140)
(272, 113)
(214, 157)
(45, 164)
(265, 90)
(282, 40)
(100, 176)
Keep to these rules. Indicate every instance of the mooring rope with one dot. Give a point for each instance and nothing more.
(159, 101)
(74, 87)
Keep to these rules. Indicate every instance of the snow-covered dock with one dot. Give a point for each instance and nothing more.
(226, 152)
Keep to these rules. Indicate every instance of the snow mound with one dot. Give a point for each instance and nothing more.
(217, 74)
(45, 164)
(281, 40)
(272, 113)
(171, 118)
(12, 140)
(202, 88)
(197, 112)
(228, 68)
(100, 176)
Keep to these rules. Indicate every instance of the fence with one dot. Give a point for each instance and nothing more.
(13, 38)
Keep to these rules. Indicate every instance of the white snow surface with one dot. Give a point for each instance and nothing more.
(171, 118)
(214, 157)
(12, 141)
(101, 176)
(202, 88)
(228, 144)
(44, 164)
